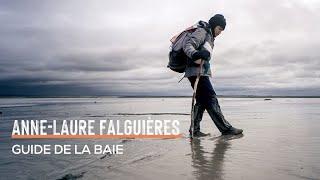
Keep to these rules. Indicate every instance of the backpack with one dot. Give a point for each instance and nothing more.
(177, 57)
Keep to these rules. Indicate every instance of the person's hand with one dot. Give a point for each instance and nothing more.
(203, 54)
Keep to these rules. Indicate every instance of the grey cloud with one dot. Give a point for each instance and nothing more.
(113, 48)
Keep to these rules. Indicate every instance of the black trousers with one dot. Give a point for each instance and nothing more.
(206, 99)
(204, 90)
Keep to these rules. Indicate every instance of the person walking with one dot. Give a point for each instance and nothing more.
(198, 46)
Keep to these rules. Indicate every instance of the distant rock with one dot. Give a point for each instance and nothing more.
(267, 99)
(72, 176)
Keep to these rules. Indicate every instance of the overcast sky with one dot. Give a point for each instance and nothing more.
(105, 47)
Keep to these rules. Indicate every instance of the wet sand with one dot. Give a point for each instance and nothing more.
(281, 140)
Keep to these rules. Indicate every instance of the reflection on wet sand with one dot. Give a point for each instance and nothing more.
(209, 165)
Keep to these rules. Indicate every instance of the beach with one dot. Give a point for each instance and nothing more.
(281, 140)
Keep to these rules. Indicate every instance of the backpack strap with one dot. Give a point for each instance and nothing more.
(175, 38)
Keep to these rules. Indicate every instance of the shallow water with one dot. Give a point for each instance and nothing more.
(281, 140)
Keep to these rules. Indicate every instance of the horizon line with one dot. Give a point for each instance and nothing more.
(158, 96)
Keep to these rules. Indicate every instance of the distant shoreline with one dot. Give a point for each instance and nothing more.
(221, 96)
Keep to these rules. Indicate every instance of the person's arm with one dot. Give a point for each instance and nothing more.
(192, 44)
